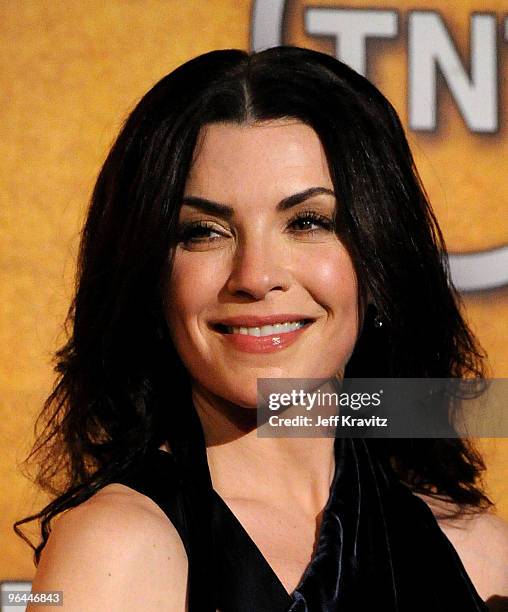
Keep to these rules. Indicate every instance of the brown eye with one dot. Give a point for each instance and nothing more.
(197, 232)
(308, 218)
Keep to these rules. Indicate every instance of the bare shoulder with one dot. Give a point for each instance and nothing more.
(115, 551)
(481, 541)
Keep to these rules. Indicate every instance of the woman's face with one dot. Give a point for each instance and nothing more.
(250, 246)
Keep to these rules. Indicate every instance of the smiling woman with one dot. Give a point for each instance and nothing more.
(259, 216)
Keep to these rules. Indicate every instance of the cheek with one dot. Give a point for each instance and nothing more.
(192, 289)
(334, 280)
(181, 298)
(339, 295)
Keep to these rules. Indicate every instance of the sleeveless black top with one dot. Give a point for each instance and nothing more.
(379, 545)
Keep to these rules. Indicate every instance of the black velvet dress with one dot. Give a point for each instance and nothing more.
(379, 546)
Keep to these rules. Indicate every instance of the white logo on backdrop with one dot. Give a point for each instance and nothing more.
(430, 48)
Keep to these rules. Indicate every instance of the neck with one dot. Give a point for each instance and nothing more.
(275, 471)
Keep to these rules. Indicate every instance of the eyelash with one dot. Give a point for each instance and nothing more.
(188, 230)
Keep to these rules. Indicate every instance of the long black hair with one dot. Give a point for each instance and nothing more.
(118, 371)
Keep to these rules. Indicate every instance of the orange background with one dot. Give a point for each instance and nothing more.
(70, 73)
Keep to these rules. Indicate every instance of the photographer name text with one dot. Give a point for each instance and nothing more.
(339, 420)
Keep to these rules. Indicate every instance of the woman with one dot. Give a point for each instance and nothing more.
(246, 191)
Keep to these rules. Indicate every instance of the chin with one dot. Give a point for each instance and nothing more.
(230, 391)
(245, 398)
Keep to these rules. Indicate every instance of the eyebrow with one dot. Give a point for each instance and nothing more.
(223, 210)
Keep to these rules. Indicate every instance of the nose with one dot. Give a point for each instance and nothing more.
(258, 267)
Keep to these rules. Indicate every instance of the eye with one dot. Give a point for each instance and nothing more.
(196, 232)
(306, 218)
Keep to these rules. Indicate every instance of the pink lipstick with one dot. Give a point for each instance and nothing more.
(253, 334)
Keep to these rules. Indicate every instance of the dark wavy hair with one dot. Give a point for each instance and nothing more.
(118, 372)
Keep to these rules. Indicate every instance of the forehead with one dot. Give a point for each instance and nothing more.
(275, 156)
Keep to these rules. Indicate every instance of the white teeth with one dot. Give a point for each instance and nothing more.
(266, 330)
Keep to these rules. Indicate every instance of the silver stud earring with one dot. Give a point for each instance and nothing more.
(378, 321)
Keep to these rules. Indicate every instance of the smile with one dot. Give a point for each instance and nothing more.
(265, 330)
(264, 339)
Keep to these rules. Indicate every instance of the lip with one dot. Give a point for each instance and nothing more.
(264, 344)
(255, 321)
